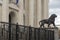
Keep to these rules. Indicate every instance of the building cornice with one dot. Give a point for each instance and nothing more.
(11, 5)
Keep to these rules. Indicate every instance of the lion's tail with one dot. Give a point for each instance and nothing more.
(39, 22)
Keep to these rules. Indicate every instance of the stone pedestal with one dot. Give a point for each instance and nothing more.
(56, 36)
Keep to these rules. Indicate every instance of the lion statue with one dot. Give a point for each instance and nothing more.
(48, 21)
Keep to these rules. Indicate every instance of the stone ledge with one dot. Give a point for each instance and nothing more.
(11, 5)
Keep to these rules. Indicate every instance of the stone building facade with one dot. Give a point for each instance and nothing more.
(25, 12)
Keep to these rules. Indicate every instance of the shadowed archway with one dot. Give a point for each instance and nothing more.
(11, 17)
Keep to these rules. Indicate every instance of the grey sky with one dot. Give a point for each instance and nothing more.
(54, 4)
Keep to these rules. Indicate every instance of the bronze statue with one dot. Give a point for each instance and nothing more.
(48, 21)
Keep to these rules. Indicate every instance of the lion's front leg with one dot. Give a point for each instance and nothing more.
(54, 25)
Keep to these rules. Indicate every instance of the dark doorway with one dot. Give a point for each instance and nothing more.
(12, 17)
(9, 18)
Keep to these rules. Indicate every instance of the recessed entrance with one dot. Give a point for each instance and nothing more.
(11, 17)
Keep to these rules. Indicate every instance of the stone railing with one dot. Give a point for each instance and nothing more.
(9, 31)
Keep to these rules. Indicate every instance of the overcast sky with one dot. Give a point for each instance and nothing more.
(54, 4)
(54, 8)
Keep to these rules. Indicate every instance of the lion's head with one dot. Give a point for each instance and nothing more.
(53, 16)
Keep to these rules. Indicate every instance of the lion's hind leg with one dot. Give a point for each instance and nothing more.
(42, 25)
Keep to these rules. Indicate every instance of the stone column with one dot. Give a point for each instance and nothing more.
(39, 13)
(5, 10)
(21, 11)
(35, 13)
(31, 12)
(0, 13)
(45, 9)
(26, 12)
